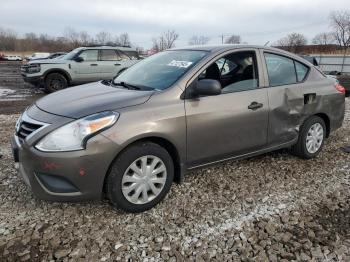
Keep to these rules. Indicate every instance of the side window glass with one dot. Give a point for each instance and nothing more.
(226, 66)
(132, 54)
(89, 55)
(302, 71)
(236, 72)
(109, 55)
(280, 69)
(123, 56)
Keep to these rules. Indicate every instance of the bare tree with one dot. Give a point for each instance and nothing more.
(8, 39)
(323, 39)
(72, 37)
(340, 22)
(170, 37)
(233, 39)
(85, 38)
(30, 41)
(165, 41)
(198, 40)
(124, 39)
(103, 38)
(292, 42)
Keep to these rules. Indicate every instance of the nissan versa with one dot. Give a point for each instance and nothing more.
(180, 109)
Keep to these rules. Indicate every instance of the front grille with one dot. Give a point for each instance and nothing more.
(24, 68)
(26, 128)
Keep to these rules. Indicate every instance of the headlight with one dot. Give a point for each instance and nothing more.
(73, 136)
(33, 68)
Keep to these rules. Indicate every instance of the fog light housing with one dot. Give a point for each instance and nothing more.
(56, 184)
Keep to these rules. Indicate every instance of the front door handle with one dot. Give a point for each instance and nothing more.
(94, 64)
(117, 64)
(255, 105)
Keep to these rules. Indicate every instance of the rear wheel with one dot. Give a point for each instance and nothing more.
(55, 82)
(311, 138)
(140, 177)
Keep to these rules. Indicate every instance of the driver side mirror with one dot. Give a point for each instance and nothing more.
(78, 59)
(207, 87)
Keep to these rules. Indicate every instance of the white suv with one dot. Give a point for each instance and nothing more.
(82, 65)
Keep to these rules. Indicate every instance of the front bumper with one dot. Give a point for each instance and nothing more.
(65, 176)
(34, 80)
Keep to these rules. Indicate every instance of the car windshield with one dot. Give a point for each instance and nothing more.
(161, 70)
(71, 54)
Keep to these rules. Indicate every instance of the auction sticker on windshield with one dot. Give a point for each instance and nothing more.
(183, 64)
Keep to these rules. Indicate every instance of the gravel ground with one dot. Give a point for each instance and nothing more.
(274, 207)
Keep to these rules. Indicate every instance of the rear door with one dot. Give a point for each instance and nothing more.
(233, 123)
(284, 77)
(110, 63)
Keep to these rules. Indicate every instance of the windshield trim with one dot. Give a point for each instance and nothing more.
(70, 55)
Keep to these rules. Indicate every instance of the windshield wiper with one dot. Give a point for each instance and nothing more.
(128, 86)
(132, 87)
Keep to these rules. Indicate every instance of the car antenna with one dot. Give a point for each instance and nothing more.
(266, 43)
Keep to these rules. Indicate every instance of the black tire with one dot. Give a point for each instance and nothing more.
(300, 149)
(55, 82)
(119, 167)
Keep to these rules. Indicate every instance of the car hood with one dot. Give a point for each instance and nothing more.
(47, 61)
(80, 101)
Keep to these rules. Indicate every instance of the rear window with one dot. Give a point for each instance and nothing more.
(109, 55)
(284, 71)
(280, 69)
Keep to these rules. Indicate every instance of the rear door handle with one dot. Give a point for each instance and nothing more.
(117, 64)
(94, 64)
(255, 105)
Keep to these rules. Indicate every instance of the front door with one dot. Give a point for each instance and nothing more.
(88, 69)
(234, 122)
(110, 63)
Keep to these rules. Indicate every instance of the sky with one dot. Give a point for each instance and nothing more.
(256, 21)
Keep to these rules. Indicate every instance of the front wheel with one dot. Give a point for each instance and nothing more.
(55, 82)
(311, 138)
(140, 177)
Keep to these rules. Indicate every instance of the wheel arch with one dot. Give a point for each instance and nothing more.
(327, 122)
(163, 142)
(59, 71)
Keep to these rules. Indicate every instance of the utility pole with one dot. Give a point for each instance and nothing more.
(222, 38)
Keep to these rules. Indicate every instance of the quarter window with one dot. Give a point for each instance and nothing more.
(89, 55)
(132, 54)
(301, 71)
(280, 69)
(123, 56)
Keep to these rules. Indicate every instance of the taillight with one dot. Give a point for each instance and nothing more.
(340, 88)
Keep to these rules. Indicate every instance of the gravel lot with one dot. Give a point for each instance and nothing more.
(274, 207)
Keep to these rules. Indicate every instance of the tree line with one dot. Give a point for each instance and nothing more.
(338, 36)
(295, 42)
(71, 38)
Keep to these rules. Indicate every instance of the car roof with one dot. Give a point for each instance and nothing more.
(123, 48)
(227, 47)
(213, 48)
